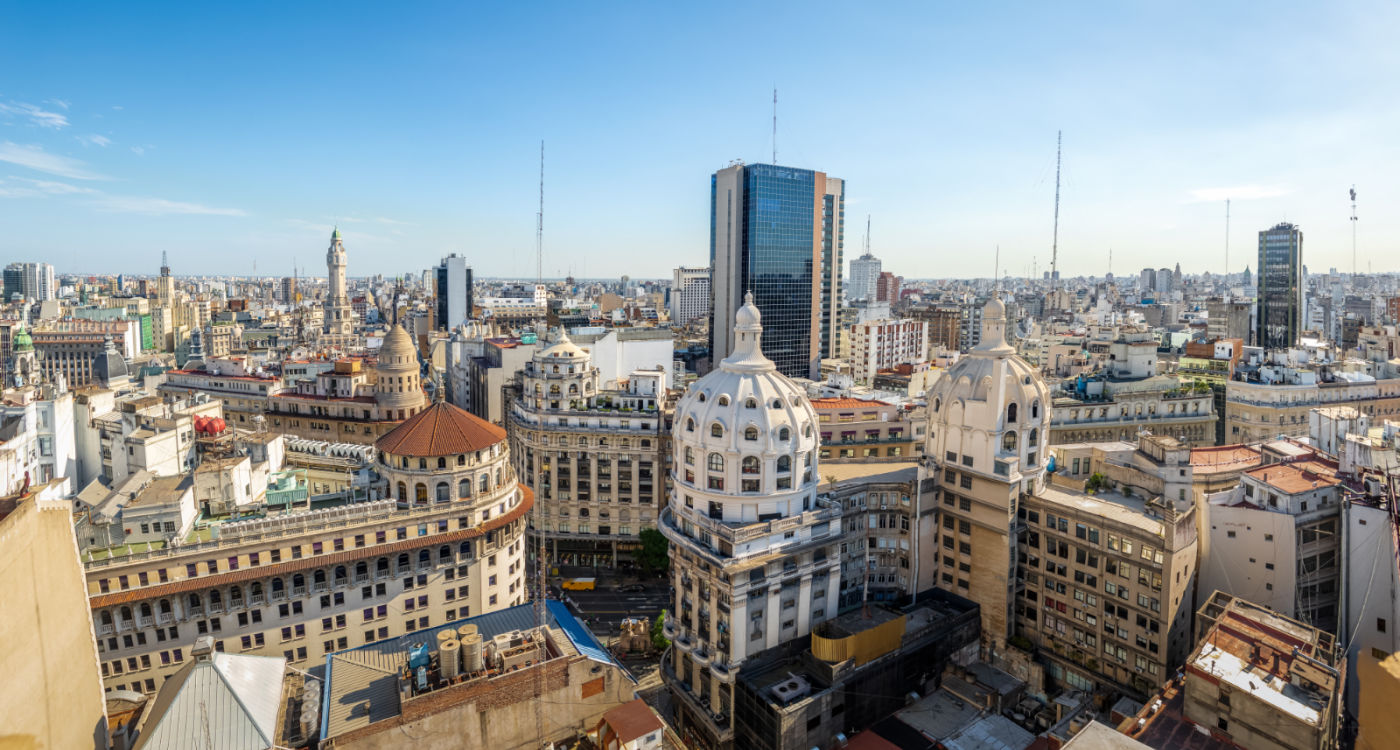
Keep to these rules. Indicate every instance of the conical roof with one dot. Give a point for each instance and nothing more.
(440, 430)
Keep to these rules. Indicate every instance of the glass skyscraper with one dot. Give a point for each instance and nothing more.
(1280, 287)
(776, 231)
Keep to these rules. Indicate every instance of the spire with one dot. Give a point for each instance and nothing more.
(994, 330)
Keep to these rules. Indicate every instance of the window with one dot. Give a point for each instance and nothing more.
(716, 430)
(750, 433)
(715, 462)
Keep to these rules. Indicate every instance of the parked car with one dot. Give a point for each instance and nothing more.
(632, 588)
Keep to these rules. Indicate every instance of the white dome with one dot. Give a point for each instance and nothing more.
(563, 348)
(746, 436)
(991, 406)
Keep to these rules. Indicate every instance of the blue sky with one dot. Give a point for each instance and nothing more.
(239, 133)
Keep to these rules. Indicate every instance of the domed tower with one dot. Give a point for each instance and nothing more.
(755, 555)
(560, 377)
(110, 368)
(398, 388)
(989, 420)
(339, 318)
(24, 361)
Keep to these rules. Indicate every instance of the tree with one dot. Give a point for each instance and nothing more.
(1095, 483)
(658, 637)
(653, 557)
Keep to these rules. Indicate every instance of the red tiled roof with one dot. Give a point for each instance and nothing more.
(259, 572)
(632, 720)
(1295, 477)
(845, 403)
(440, 430)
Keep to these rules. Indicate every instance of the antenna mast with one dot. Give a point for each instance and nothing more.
(539, 225)
(775, 125)
(1353, 237)
(1055, 238)
(867, 234)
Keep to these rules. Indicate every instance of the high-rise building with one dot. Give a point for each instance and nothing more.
(32, 281)
(14, 281)
(777, 232)
(755, 554)
(453, 291)
(1280, 287)
(881, 344)
(887, 287)
(339, 318)
(165, 288)
(690, 294)
(864, 272)
(288, 293)
(985, 448)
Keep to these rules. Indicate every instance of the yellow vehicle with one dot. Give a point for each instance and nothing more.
(580, 584)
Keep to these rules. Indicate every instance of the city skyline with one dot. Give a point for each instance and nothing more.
(417, 147)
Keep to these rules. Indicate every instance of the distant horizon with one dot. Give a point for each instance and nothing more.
(125, 137)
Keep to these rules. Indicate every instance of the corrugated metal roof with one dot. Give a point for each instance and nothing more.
(229, 702)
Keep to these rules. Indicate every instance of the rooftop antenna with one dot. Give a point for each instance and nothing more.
(539, 225)
(867, 234)
(775, 126)
(1055, 238)
(1227, 244)
(996, 271)
(1353, 236)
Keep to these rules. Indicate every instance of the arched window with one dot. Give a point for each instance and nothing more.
(464, 549)
(1034, 438)
(464, 488)
(444, 554)
(701, 397)
(1008, 442)
(715, 462)
(361, 569)
(423, 463)
(381, 566)
(749, 465)
(126, 614)
(1035, 409)
(485, 484)
(277, 586)
(420, 493)
(442, 462)
(403, 492)
(106, 617)
(215, 598)
(1011, 413)
(318, 576)
(716, 430)
(195, 601)
(689, 456)
(573, 389)
(165, 605)
(937, 404)
(235, 594)
(750, 403)
(424, 559)
(145, 609)
(806, 430)
(750, 433)
(784, 434)
(723, 400)
(403, 560)
(462, 460)
(444, 492)
(777, 403)
(689, 425)
(784, 464)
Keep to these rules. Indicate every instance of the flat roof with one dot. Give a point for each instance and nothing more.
(1296, 477)
(1115, 506)
(1223, 458)
(939, 715)
(1276, 691)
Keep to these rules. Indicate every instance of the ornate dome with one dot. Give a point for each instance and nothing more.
(562, 348)
(398, 379)
(23, 342)
(990, 407)
(109, 368)
(745, 435)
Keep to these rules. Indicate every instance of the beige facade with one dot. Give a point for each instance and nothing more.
(48, 655)
(858, 430)
(1182, 414)
(891, 527)
(1256, 411)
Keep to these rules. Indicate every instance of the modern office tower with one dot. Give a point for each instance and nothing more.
(755, 554)
(1280, 287)
(339, 318)
(988, 417)
(1147, 281)
(592, 454)
(1164, 281)
(32, 281)
(453, 291)
(865, 270)
(690, 295)
(777, 232)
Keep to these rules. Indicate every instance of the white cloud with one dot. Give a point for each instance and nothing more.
(138, 150)
(36, 158)
(36, 115)
(60, 103)
(385, 220)
(1239, 193)
(95, 140)
(162, 207)
(24, 187)
(118, 107)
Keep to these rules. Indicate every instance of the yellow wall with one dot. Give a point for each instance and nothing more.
(1379, 697)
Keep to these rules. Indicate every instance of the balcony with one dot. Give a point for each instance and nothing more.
(195, 611)
(165, 618)
(362, 578)
(721, 670)
(108, 630)
(145, 622)
(669, 628)
(701, 654)
(298, 591)
(216, 608)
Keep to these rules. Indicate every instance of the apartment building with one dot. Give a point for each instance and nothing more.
(1108, 585)
(855, 429)
(1256, 411)
(882, 344)
(441, 538)
(1179, 410)
(591, 454)
(888, 521)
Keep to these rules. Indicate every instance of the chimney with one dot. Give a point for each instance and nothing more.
(203, 648)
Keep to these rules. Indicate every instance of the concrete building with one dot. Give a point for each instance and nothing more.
(859, 430)
(887, 287)
(504, 681)
(754, 554)
(1281, 287)
(1162, 407)
(48, 653)
(33, 282)
(690, 295)
(1229, 319)
(446, 540)
(1256, 679)
(591, 454)
(944, 324)
(883, 344)
(339, 320)
(1256, 411)
(453, 291)
(889, 521)
(793, 273)
(865, 272)
(71, 347)
(988, 419)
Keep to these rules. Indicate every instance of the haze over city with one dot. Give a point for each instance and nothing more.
(240, 135)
